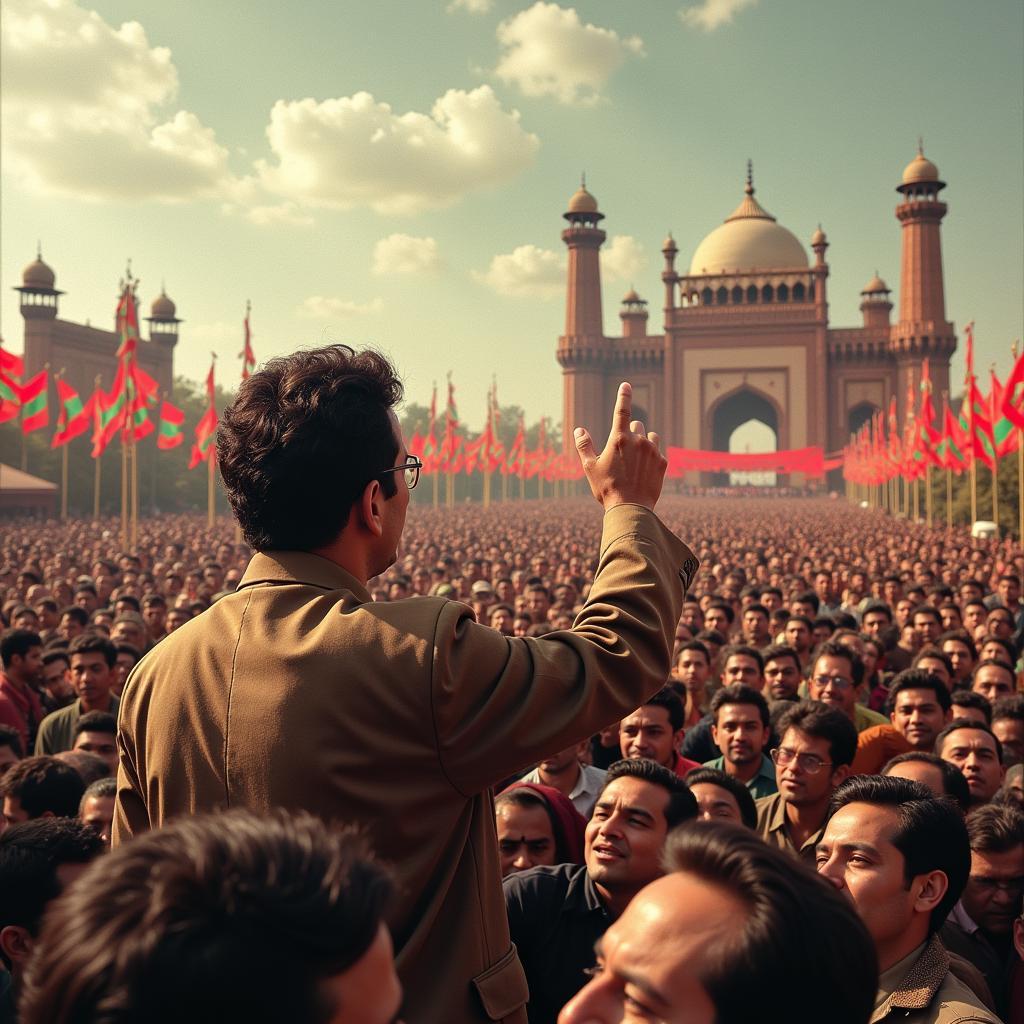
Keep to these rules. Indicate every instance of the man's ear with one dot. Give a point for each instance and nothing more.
(840, 774)
(370, 508)
(16, 943)
(933, 886)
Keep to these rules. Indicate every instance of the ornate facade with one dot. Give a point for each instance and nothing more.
(746, 333)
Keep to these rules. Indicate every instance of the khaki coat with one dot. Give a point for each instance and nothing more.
(297, 691)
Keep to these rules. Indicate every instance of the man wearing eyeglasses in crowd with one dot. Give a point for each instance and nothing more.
(812, 759)
(980, 926)
(297, 691)
(838, 672)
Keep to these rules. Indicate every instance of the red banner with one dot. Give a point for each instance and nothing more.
(809, 461)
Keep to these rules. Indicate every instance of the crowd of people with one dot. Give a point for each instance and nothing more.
(820, 813)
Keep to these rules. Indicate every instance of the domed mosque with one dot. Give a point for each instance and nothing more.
(746, 333)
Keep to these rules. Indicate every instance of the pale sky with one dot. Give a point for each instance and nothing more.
(395, 173)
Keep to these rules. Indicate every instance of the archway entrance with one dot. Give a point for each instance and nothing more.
(859, 415)
(744, 422)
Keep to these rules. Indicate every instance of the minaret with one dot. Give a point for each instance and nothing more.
(633, 315)
(163, 333)
(581, 348)
(875, 305)
(922, 329)
(38, 305)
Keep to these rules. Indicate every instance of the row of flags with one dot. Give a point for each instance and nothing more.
(455, 452)
(987, 427)
(127, 410)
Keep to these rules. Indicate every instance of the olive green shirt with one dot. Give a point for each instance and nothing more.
(57, 730)
(774, 830)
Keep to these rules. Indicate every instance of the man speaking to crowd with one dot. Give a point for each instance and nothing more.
(297, 691)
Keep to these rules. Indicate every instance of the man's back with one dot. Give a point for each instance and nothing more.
(297, 692)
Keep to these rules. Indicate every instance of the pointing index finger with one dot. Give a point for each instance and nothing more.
(623, 408)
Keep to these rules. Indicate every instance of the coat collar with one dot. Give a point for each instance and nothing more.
(918, 987)
(301, 567)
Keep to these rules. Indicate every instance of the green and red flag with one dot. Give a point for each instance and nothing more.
(10, 398)
(1013, 393)
(171, 431)
(109, 413)
(1004, 430)
(35, 406)
(927, 416)
(74, 417)
(952, 450)
(126, 319)
(450, 462)
(10, 364)
(204, 449)
(247, 355)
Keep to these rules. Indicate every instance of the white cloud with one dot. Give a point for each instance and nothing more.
(711, 14)
(275, 215)
(549, 51)
(82, 109)
(622, 258)
(405, 254)
(472, 6)
(321, 307)
(356, 151)
(527, 270)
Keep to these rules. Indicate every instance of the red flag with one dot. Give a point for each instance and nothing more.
(171, 431)
(10, 364)
(35, 406)
(927, 416)
(204, 447)
(74, 417)
(1013, 394)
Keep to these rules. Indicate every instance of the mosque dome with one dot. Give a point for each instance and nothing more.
(631, 297)
(750, 239)
(875, 286)
(37, 276)
(162, 308)
(582, 201)
(919, 170)
(669, 245)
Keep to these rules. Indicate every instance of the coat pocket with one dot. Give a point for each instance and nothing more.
(502, 987)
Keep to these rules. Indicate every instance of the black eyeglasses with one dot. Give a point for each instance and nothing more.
(411, 468)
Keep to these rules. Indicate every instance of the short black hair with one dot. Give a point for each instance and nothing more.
(94, 643)
(794, 929)
(808, 597)
(76, 613)
(917, 679)
(17, 642)
(10, 737)
(931, 651)
(835, 649)
(42, 784)
(970, 699)
(996, 828)
(740, 793)
(930, 831)
(302, 439)
(694, 645)
(747, 651)
(301, 903)
(954, 784)
(96, 721)
(711, 636)
(52, 653)
(739, 693)
(967, 723)
(824, 722)
(961, 636)
(877, 608)
(996, 663)
(30, 854)
(1010, 707)
(668, 699)
(682, 805)
(926, 609)
(730, 612)
(1011, 651)
(774, 652)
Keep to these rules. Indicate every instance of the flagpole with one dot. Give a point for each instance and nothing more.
(96, 477)
(124, 493)
(949, 498)
(210, 493)
(134, 453)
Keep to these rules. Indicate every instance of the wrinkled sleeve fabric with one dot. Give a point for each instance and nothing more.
(500, 704)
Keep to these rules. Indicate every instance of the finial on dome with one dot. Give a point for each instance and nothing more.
(39, 250)
(583, 179)
(750, 178)
(920, 145)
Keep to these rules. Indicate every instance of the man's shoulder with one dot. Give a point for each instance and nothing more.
(55, 718)
(541, 885)
(865, 718)
(767, 810)
(955, 1003)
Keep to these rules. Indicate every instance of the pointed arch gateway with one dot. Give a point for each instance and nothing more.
(745, 419)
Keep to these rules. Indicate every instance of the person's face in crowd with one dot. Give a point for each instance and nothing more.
(927, 627)
(7, 758)
(13, 812)
(693, 671)
(155, 617)
(920, 771)
(1010, 733)
(871, 656)
(936, 667)
(798, 635)
(918, 717)
(831, 682)
(857, 855)
(564, 759)
(739, 733)
(718, 620)
(525, 837)
(974, 618)
(123, 664)
(27, 668)
(692, 617)
(771, 601)
(951, 617)
(809, 779)
(213, 577)
(92, 678)
(892, 591)
(999, 622)
(47, 617)
(98, 812)
(521, 625)
(875, 624)
(626, 833)
(993, 682)
(502, 620)
(992, 896)
(26, 619)
(87, 599)
(960, 654)
(783, 678)
(742, 668)
(537, 604)
(505, 592)
(974, 753)
(176, 618)
(804, 608)
(974, 714)
(1009, 592)
(992, 650)
(650, 957)
(69, 627)
(102, 744)
(755, 627)
(715, 803)
(648, 733)
(369, 991)
(903, 610)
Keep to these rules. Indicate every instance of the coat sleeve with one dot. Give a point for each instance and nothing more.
(500, 704)
(130, 815)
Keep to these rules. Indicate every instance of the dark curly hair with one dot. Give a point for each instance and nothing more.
(301, 441)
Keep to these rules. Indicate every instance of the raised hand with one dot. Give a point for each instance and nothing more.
(631, 469)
